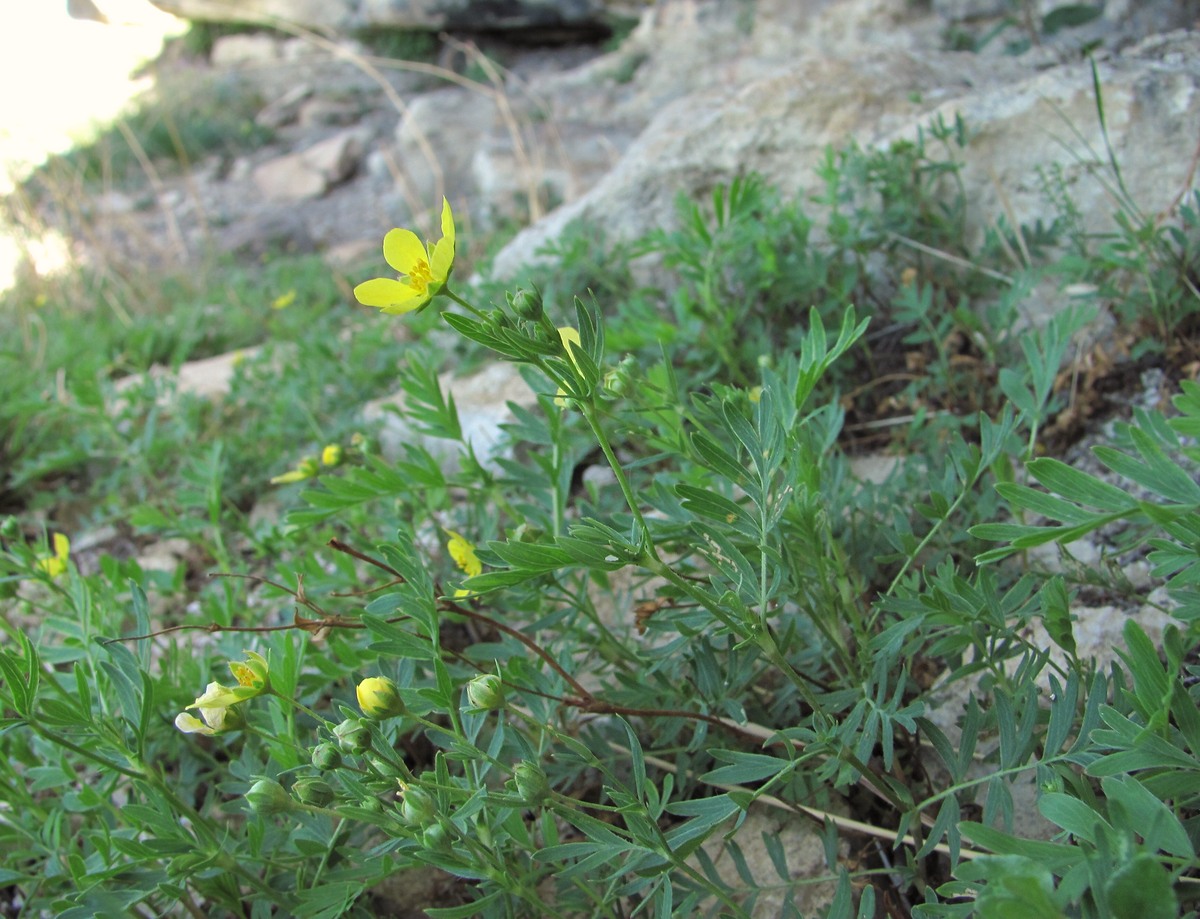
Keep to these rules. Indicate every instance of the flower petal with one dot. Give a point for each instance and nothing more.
(402, 250)
(415, 302)
(447, 223)
(190, 724)
(442, 261)
(384, 293)
(218, 696)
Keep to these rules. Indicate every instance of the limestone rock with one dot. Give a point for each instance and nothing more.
(313, 171)
(428, 15)
(482, 403)
(436, 139)
(233, 50)
(780, 123)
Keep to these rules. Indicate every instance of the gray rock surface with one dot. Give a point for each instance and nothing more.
(429, 15)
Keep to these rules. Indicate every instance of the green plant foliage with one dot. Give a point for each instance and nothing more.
(574, 674)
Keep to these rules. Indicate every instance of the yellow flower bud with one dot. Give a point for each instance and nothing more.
(379, 698)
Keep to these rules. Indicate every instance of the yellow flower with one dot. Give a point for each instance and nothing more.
(331, 455)
(306, 469)
(426, 269)
(252, 673)
(284, 300)
(217, 701)
(56, 564)
(569, 337)
(379, 698)
(463, 553)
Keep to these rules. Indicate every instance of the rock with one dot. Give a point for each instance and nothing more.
(482, 402)
(313, 171)
(426, 15)
(236, 50)
(967, 10)
(279, 229)
(800, 840)
(316, 113)
(285, 109)
(436, 140)
(1018, 124)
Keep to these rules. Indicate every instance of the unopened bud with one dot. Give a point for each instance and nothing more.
(267, 798)
(527, 304)
(532, 784)
(352, 736)
(436, 838)
(326, 756)
(486, 692)
(379, 698)
(313, 791)
(417, 807)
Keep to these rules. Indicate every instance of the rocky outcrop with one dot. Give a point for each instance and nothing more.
(701, 91)
(424, 15)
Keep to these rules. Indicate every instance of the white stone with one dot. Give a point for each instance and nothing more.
(232, 50)
(482, 403)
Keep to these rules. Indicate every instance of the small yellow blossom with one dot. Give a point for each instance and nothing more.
(426, 269)
(331, 455)
(56, 565)
(379, 698)
(463, 553)
(217, 700)
(284, 300)
(252, 673)
(569, 337)
(307, 468)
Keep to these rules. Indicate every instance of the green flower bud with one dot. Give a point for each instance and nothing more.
(10, 528)
(532, 784)
(267, 797)
(618, 380)
(379, 698)
(352, 736)
(436, 838)
(486, 692)
(417, 807)
(498, 319)
(527, 304)
(326, 756)
(313, 791)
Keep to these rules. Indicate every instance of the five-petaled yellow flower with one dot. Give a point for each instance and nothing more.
(217, 700)
(56, 564)
(463, 553)
(426, 269)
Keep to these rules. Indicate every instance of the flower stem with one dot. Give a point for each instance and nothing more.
(461, 302)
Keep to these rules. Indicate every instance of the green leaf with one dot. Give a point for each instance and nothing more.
(1074, 485)
(532, 557)
(1142, 889)
(744, 767)
(1149, 817)
(1069, 16)
(1073, 815)
(1056, 613)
